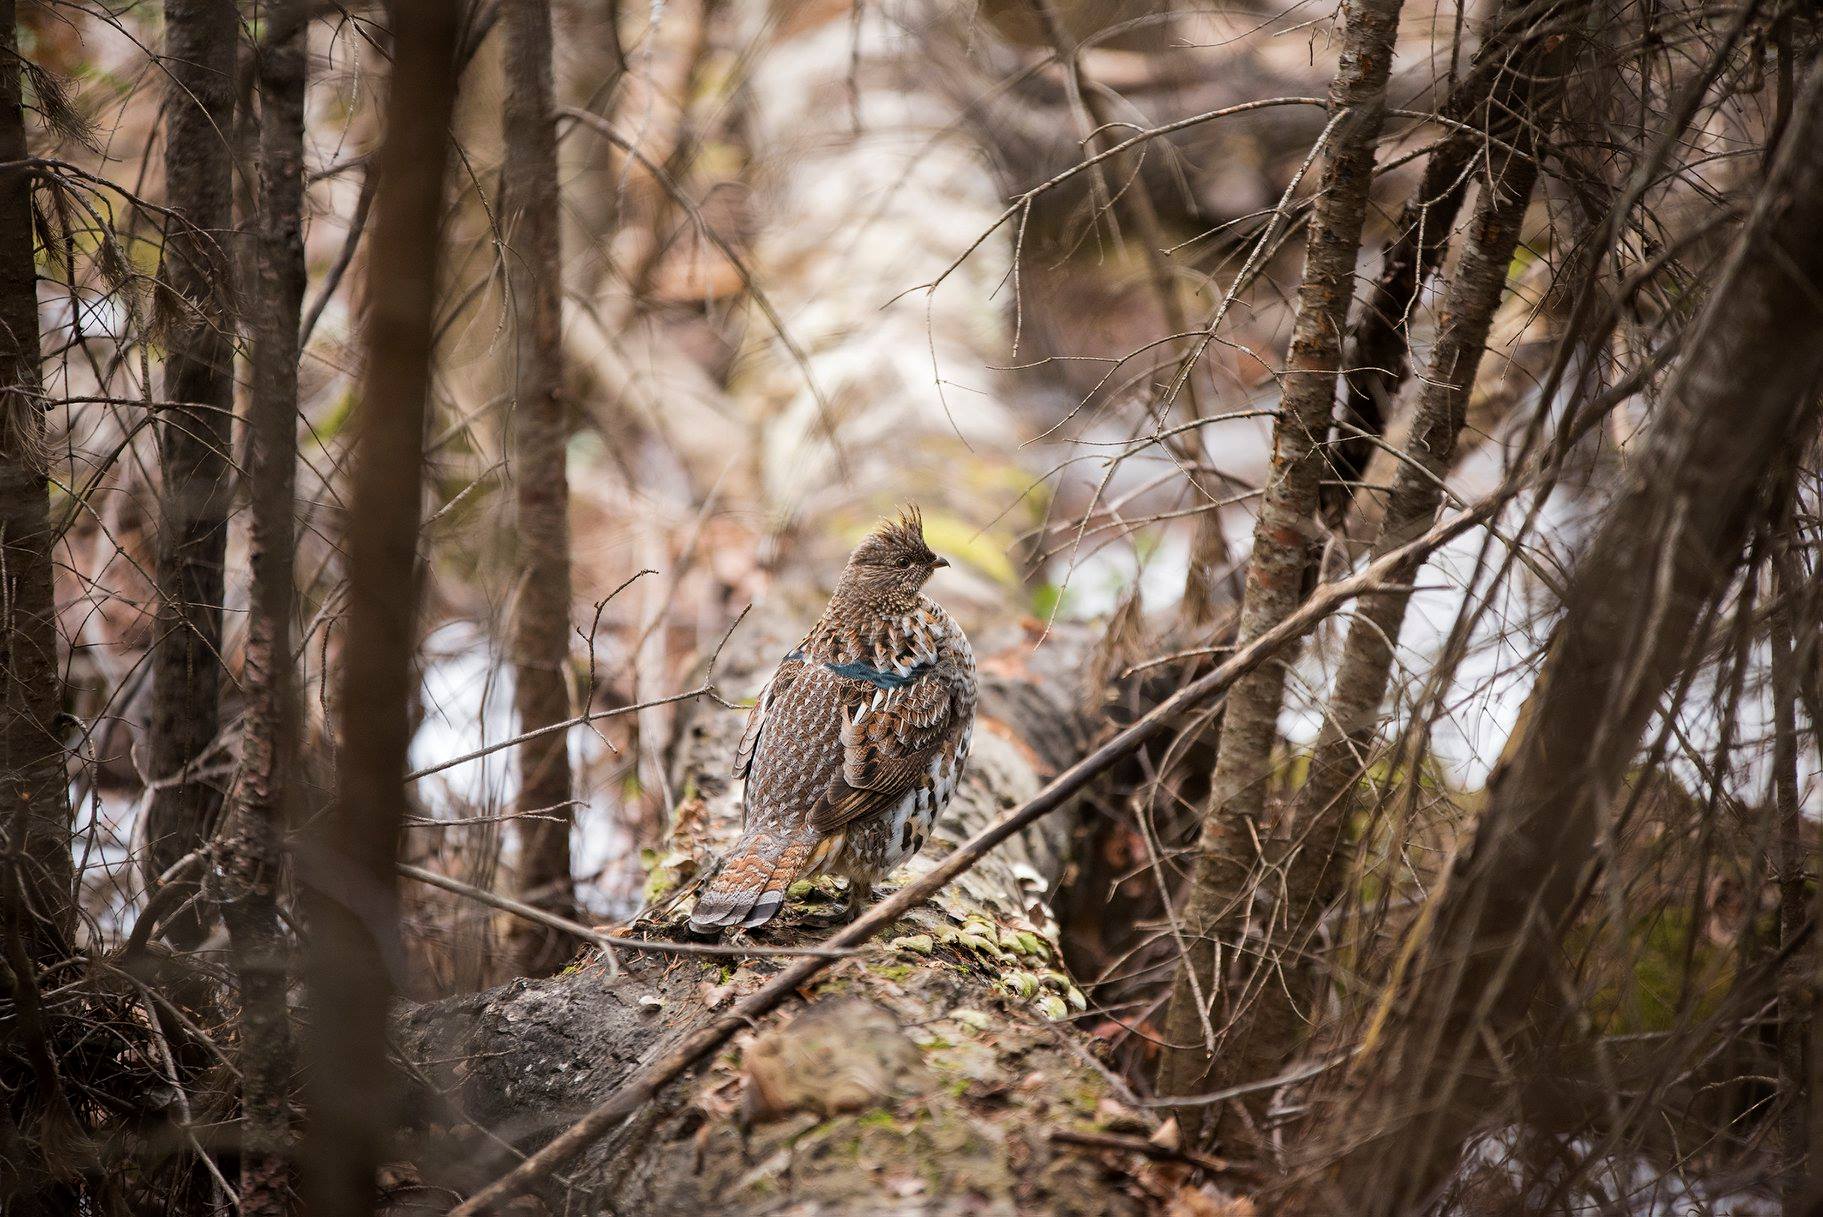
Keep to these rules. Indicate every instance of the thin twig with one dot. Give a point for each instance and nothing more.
(1139, 1145)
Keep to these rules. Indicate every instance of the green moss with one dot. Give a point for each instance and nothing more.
(878, 1117)
(1047, 601)
(1651, 978)
(659, 883)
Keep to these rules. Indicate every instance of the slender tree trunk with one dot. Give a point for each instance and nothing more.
(1378, 346)
(1284, 541)
(37, 883)
(193, 435)
(541, 620)
(1318, 865)
(1745, 394)
(347, 866)
(251, 859)
(1791, 867)
(34, 799)
(1367, 655)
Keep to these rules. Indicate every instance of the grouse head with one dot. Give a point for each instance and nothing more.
(893, 562)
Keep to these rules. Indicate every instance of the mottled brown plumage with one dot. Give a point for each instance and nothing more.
(857, 742)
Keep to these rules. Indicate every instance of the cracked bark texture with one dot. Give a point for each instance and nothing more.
(541, 616)
(1286, 535)
(192, 432)
(1378, 347)
(1316, 863)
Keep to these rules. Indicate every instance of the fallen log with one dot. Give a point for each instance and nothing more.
(929, 1075)
(505, 1068)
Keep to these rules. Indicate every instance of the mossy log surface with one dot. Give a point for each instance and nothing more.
(928, 1075)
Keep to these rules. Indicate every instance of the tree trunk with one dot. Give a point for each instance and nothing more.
(1790, 868)
(1284, 540)
(34, 798)
(251, 858)
(1317, 865)
(927, 1077)
(199, 60)
(541, 618)
(346, 866)
(1378, 345)
(1744, 395)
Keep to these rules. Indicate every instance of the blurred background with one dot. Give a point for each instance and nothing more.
(1168, 318)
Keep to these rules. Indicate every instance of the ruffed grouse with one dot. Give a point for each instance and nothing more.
(857, 741)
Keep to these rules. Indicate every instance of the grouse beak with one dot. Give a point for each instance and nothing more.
(939, 563)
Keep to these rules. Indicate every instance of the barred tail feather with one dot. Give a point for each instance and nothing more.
(749, 889)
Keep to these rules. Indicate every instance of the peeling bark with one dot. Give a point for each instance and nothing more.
(1285, 537)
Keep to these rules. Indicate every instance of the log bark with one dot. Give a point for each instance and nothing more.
(199, 61)
(251, 857)
(1744, 396)
(541, 616)
(1285, 537)
(34, 799)
(346, 865)
(924, 1078)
